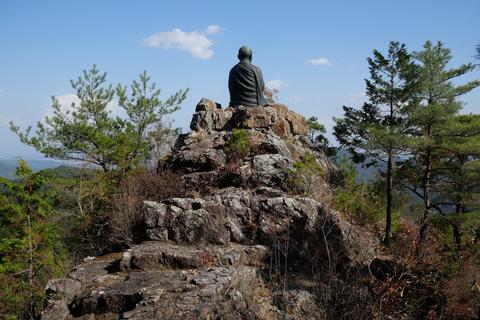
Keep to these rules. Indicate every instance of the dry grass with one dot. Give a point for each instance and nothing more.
(127, 214)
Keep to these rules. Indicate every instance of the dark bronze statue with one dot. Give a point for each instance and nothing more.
(245, 82)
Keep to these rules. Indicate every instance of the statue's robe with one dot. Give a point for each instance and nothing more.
(246, 85)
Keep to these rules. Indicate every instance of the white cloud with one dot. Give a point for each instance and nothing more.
(359, 97)
(275, 84)
(4, 120)
(296, 99)
(319, 62)
(68, 101)
(213, 29)
(197, 43)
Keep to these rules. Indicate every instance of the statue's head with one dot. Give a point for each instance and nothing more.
(245, 53)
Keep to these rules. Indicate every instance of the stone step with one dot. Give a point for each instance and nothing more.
(178, 294)
(155, 255)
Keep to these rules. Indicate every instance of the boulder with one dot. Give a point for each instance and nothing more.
(301, 304)
(277, 117)
(65, 288)
(244, 217)
(207, 105)
(270, 143)
(209, 116)
(253, 118)
(197, 159)
(209, 120)
(186, 221)
(56, 310)
(270, 169)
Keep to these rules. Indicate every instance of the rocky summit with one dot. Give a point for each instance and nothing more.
(241, 246)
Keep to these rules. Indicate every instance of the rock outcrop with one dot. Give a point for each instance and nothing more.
(227, 252)
(210, 116)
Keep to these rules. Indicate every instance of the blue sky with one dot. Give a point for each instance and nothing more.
(315, 51)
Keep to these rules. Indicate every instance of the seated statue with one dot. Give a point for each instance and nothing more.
(245, 82)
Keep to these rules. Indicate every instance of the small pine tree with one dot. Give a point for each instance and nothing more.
(456, 180)
(89, 133)
(30, 246)
(375, 132)
(237, 146)
(435, 108)
(316, 132)
(304, 174)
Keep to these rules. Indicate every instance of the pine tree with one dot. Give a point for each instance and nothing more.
(316, 132)
(30, 246)
(435, 108)
(461, 145)
(375, 132)
(456, 189)
(90, 133)
(146, 112)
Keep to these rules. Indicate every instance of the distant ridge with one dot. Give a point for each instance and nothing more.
(7, 166)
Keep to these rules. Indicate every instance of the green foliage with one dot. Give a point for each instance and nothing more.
(468, 222)
(85, 204)
(376, 132)
(31, 251)
(431, 118)
(451, 263)
(145, 112)
(476, 252)
(458, 167)
(304, 174)
(314, 127)
(356, 199)
(89, 133)
(365, 201)
(316, 132)
(238, 145)
(436, 97)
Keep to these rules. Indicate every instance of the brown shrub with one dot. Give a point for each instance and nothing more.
(230, 175)
(127, 214)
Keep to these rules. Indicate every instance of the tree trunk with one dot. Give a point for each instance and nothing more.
(459, 209)
(388, 219)
(457, 234)
(459, 205)
(31, 302)
(426, 195)
(30, 251)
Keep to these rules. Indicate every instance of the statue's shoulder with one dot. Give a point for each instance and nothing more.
(238, 66)
(256, 68)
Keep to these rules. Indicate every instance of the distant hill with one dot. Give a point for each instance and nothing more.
(67, 172)
(8, 166)
(363, 174)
